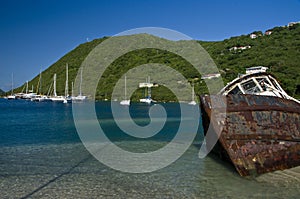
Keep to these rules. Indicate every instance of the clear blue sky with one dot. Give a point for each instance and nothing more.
(36, 33)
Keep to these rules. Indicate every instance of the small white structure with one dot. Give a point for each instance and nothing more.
(269, 32)
(145, 85)
(256, 69)
(292, 23)
(211, 76)
(244, 47)
(253, 36)
(235, 48)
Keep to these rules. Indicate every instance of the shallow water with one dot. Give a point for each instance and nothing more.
(41, 156)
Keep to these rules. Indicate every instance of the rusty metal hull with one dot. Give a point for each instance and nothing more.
(258, 134)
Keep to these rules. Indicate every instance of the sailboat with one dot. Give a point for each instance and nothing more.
(25, 95)
(79, 97)
(40, 97)
(29, 93)
(125, 101)
(12, 96)
(21, 94)
(193, 102)
(148, 86)
(56, 98)
(67, 97)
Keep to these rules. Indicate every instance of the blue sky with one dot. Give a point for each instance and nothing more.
(36, 33)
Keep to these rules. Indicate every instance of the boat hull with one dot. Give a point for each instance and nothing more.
(146, 100)
(125, 102)
(11, 97)
(257, 134)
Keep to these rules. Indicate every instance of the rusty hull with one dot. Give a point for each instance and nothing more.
(258, 134)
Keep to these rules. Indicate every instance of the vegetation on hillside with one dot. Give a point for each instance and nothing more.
(279, 52)
(74, 59)
(2, 92)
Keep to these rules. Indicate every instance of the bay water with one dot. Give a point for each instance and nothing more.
(42, 156)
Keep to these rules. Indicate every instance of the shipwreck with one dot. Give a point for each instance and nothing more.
(256, 121)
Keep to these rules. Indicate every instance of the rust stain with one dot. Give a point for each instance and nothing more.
(259, 134)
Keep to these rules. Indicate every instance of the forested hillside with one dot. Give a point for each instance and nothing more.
(279, 51)
(2, 92)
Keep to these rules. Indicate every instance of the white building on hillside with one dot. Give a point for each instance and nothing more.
(253, 36)
(211, 76)
(256, 69)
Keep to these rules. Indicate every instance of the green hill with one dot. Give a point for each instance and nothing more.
(279, 51)
(2, 92)
(74, 59)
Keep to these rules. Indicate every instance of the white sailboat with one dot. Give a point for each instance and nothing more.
(193, 102)
(29, 93)
(147, 86)
(56, 98)
(79, 97)
(125, 101)
(25, 95)
(21, 94)
(12, 96)
(67, 98)
(40, 97)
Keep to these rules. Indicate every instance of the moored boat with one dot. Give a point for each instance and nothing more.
(125, 101)
(257, 123)
(40, 98)
(80, 97)
(12, 96)
(146, 100)
(147, 85)
(55, 97)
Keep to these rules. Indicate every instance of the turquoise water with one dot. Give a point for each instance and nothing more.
(41, 156)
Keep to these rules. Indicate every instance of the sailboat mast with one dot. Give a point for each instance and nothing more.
(72, 94)
(40, 89)
(26, 87)
(125, 88)
(193, 93)
(54, 85)
(12, 83)
(146, 88)
(80, 83)
(67, 79)
(149, 88)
